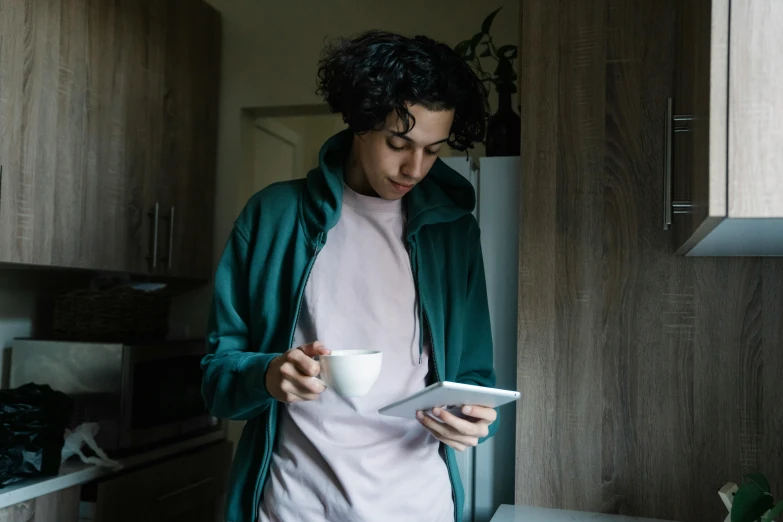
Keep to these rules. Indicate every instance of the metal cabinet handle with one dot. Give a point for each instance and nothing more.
(184, 489)
(670, 127)
(170, 219)
(154, 214)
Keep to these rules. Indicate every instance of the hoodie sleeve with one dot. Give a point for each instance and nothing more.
(233, 382)
(476, 365)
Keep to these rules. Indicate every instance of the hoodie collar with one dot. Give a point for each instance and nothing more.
(441, 197)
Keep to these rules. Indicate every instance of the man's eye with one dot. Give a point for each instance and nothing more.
(392, 147)
(431, 152)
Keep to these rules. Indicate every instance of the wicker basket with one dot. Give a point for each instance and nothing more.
(119, 314)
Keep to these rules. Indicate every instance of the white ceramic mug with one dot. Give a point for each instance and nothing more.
(350, 373)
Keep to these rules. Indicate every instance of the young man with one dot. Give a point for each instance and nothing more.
(376, 249)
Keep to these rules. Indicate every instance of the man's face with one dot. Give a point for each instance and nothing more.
(392, 162)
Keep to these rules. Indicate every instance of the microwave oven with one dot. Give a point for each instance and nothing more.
(140, 395)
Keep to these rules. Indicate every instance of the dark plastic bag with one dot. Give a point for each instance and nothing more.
(33, 419)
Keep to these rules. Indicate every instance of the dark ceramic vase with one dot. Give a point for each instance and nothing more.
(504, 128)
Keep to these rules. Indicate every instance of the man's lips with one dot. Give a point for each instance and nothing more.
(401, 185)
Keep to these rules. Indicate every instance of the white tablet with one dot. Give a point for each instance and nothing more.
(450, 396)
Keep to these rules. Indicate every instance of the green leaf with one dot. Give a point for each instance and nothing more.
(777, 510)
(476, 40)
(760, 480)
(750, 503)
(487, 24)
(467, 48)
(508, 51)
(462, 48)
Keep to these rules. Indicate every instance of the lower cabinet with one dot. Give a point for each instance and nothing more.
(185, 488)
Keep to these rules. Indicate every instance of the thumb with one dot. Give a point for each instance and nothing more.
(313, 349)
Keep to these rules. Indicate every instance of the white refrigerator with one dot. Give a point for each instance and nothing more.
(488, 471)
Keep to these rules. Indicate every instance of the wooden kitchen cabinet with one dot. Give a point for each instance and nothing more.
(108, 110)
(189, 487)
(723, 182)
(39, 197)
(186, 184)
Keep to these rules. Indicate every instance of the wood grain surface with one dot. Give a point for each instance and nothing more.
(648, 379)
(107, 108)
(756, 109)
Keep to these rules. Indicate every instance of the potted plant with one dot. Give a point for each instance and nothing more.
(504, 127)
(752, 501)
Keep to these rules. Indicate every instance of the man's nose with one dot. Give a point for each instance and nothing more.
(414, 167)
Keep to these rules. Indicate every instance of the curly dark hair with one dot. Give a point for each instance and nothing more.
(367, 77)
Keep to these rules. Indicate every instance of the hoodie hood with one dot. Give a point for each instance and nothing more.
(442, 196)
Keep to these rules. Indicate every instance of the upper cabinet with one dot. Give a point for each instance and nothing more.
(723, 180)
(108, 125)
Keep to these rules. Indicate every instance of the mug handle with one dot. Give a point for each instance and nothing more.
(318, 377)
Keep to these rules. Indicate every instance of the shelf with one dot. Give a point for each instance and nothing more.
(76, 473)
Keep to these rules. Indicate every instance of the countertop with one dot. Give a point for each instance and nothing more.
(508, 513)
(75, 473)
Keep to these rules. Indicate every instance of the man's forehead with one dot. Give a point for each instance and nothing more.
(422, 138)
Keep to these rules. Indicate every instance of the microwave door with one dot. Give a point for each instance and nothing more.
(162, 393)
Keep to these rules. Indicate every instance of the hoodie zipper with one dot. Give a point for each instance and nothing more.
(425, 319)
(319, 243)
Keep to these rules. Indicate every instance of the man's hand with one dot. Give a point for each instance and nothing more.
(290, 377)
(456, 432)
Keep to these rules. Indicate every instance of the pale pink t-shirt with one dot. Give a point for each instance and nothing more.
(336, 459)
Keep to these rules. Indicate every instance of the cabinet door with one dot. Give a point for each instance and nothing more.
(145, 27)
(69, 195)
(208, 512)
(191, 483)
(755, 181)
(187, 180)
(108, 109)
(29, 58)
(701, 90)
(114, 208)
(11, 45)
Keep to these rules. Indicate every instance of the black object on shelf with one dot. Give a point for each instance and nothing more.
(33, 419)
(504, 128)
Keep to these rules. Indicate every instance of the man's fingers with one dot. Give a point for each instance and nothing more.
(295, 393)
(303, 362)
(445, 433)
(313, 349)
(305, 383)
(478, 428)
(453, 444)
(456, 445)
(481, 412)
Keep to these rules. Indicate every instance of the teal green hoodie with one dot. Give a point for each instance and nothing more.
(260, 281)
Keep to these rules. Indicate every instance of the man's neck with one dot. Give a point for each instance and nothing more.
(355, 177)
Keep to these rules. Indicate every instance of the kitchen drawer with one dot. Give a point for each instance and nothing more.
(167, 490)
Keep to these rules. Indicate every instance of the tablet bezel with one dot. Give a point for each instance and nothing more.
(430, 397)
